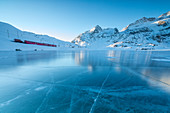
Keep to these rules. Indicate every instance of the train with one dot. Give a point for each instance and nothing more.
(34, 43)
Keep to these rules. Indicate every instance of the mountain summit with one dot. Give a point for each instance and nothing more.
(139, 22)
(89, 38)
(96, 29)
(165, 15)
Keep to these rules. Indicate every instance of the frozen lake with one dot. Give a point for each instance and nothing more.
(84, 81)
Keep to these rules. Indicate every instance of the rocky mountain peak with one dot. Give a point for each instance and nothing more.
(167, 14)
(142, 20)
(96, 29)
(138, 22)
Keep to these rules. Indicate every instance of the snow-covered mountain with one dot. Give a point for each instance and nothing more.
(96, 36)
(8, 33)
(145, 33)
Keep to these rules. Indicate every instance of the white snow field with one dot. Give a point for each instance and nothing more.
(8, 33)
(84, 82)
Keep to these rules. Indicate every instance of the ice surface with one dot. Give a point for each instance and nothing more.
(84, 81)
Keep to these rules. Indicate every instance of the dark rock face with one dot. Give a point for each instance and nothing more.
(138, 22)
(165, 15)
(96, 29)
(139, 30)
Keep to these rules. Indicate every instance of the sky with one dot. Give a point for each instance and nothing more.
(66, 19)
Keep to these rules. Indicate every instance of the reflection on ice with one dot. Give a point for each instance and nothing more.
(84, 81)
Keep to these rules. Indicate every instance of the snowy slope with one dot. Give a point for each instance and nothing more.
(145, 33)
(8, 33)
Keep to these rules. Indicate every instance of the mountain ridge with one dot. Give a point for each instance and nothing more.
(152, 33)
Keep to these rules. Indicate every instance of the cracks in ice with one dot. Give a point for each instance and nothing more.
(72, 96)
(52, 83)
(38, 81)
(44, 82)
(152, 78)
(95, 100)
(14, 99)
(9, 101)
(46, 96)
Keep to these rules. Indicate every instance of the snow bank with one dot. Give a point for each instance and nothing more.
(8, 33)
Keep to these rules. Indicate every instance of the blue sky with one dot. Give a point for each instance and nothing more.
(66, 19)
